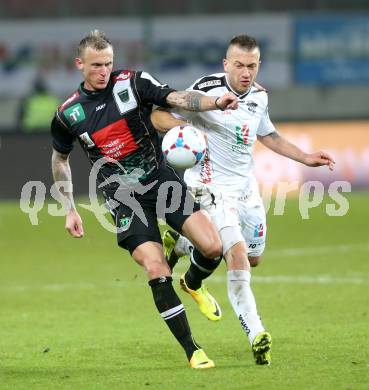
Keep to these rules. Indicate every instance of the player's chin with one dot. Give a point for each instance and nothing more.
(244, 87)
(100, 86)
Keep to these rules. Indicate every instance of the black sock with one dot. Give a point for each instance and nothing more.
(200, 268)
(172, 311)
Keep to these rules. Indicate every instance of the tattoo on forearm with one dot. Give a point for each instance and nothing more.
(62, 173)
(193, 101)
(189, 100)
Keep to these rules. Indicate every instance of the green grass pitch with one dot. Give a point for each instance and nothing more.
(78, 314)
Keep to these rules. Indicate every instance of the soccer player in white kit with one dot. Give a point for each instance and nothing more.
(226, 187)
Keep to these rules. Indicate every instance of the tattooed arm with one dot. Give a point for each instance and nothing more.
(281, 145)
(164, 121)
(195, 101)
(62, 173)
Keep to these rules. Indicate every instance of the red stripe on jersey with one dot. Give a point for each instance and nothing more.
(115, 141)
(69, 100)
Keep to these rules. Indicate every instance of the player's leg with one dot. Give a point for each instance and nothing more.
(150, 256)
(221, 215)
(197, 272)
(144, 243)
(205, 254)
(254, 260)
(252, 215)
(243, 301)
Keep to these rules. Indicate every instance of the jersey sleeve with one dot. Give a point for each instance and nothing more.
(62, 140)
(151, 90)
(266, 126)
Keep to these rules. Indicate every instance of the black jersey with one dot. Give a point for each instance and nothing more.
(114, 123)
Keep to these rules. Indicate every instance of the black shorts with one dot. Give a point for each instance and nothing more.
(164, 196)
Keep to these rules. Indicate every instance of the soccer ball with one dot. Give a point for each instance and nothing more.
(184, 146)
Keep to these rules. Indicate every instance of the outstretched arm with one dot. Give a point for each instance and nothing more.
(195, 101)
(62, 172)
(164, 121)
(280, 145)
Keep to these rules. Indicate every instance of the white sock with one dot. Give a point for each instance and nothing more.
(183, 246)
(242, 299)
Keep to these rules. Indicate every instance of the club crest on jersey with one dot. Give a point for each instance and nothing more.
(259, 230)
(85, 138)
(125, 223)
(251, 106)
(123, 96)
(75, 114)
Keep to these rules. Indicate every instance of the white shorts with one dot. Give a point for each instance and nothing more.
(243, 212)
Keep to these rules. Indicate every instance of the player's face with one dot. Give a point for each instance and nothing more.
(96, 67)
(241, 67)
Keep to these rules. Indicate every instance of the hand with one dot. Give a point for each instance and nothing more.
(318, 159)
(73, 224)
(227, 101)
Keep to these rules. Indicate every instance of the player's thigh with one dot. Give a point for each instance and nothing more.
(253, 225)
(200, 230)
(184, 215)
(222, 209)
(136, 228)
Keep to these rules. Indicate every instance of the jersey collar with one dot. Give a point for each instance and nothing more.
(87, 92)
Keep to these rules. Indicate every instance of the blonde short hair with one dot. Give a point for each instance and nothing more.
(96, 39)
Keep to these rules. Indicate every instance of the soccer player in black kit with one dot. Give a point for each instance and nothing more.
(109, 114)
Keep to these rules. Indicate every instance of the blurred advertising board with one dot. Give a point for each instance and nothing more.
(346, 142)
(176, 50)
(331, 49)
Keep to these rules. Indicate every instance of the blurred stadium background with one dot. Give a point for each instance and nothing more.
(65, 294)
(315, 64)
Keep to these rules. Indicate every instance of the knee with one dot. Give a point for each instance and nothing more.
(156, 268)
(153, 264)
(254, 260)
(212, 248)
(236, 257)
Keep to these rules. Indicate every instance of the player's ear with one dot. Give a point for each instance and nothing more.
(79, 63)
(225, 64)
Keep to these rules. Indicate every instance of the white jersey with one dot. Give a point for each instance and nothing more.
(231, 135)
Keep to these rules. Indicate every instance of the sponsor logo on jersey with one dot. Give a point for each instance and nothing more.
(100, 107)
(242, 134)
(211, 83)
(124, 95)
(206, 169)
(85, 138)
(124, 75)
(259, 230)
(115, 140)
(251, 106)
(242, 140)
(75, 114)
